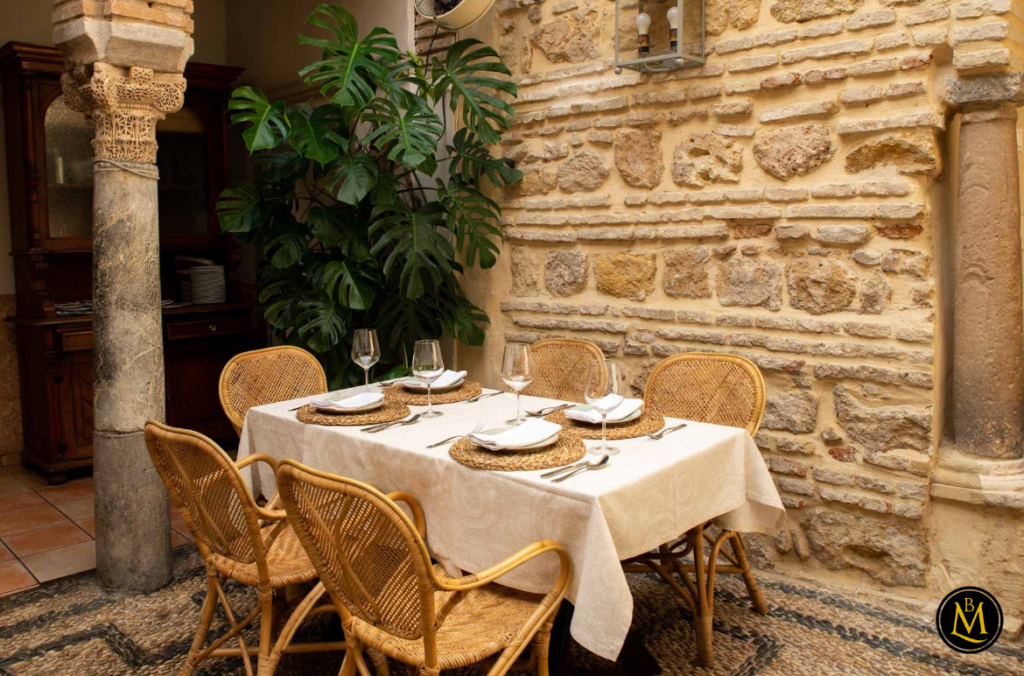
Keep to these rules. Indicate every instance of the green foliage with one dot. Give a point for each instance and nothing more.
(365, 214)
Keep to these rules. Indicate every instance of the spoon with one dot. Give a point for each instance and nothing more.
(384, 426)
(600, 464)
(662, 432)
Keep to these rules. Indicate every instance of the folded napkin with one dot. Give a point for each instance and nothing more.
(533, 431)
(444, 380)
(587, 414)
(354, 403)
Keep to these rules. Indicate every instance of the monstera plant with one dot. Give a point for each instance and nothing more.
(366, 210)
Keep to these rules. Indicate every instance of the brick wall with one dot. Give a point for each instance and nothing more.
(783, 202)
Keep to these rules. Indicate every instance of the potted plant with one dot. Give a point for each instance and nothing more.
(366, 215)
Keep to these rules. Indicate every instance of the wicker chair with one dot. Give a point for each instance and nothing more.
(374, 564)
(239, 541)
(560, 368)
(268, 376)
(725, 390)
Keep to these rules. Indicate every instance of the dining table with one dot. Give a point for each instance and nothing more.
(649, 494)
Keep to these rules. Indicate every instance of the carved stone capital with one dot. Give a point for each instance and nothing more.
(125, 105)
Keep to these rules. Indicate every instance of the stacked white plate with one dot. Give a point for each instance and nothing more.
(208, 284)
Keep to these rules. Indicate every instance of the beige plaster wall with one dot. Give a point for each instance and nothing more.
(791, 201)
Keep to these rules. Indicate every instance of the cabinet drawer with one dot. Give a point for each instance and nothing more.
(208, 328)
(76, 341)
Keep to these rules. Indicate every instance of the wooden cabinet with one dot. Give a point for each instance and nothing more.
(49, 166)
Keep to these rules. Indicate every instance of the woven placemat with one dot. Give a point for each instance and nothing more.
(389, 412)
(649, 421)
(400, 394)
(569, 448)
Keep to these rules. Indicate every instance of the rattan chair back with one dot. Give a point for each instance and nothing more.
(209, 491)
(561, 366)
(365, 549)
(267, 376)
(722, 389)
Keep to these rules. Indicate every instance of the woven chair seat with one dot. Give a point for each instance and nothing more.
(286, 559)
(485, 622)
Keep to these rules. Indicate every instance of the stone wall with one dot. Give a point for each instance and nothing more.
(784, 202)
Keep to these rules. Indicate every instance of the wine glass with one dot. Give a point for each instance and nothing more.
(365, 351)
(427, 365)
(606, 385)
(517, 372)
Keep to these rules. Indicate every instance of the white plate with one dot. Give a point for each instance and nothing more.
(421, 387)
(346, 411)
(629, 418)
(540, 444)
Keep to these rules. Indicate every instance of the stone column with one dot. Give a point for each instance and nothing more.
(988, 358)
(125, 61)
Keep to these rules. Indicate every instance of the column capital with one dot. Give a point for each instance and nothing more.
(125, 104)
(1002, 112)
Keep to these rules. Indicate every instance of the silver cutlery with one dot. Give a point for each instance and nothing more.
(388, 425)
(600, 464)
(666, 430)
(481, 396)
(560, 470)
(549, 410)
(476, 429)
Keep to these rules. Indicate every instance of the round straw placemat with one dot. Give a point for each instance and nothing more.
(389, 412)
(569, 448)
(467, 390)
(649, 421)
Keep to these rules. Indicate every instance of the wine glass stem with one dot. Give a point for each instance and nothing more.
(366, 373)
(519, 411)
(604, 430)
(430, 406)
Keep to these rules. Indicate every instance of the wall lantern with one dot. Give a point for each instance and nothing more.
(656, 36)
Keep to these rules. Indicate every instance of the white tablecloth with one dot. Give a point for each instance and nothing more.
(649, 494)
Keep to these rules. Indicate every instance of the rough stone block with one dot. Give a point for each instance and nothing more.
(882, 428)
(566, 272)
(638, 157)
(798, 110)
(702, 158)
(686, 273)
(794, 151)
(795, 412)
(843, 235)
(625, 275)
(988, 58)
(749, 283)
(820, 287)
(882, 17)
(789, 11)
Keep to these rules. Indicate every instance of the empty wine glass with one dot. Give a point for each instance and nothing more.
(365, 352)
(606, 385)
(517, 372)
(427, 365)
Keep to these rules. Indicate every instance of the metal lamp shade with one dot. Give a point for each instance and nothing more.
(465, 14)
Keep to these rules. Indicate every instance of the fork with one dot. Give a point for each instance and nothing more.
(549, 410)
(476, 429)
(386, 426)
(662, 432)
(483, 395)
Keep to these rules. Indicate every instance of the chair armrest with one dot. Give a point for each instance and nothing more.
(417, 511)
(511, 563)
(271, 514)
(257, 457)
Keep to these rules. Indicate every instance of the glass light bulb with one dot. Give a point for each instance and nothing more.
(673, 18)
(643, 23)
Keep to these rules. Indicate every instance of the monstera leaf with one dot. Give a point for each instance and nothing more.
(321, 323)
(311, 132)
(472, 159)
(473, 217)
(345, 283)
(407, 136)
(353, 178)
(351, 69)
(415, 246)
(465, 73)
(241, 209)
(268, 124)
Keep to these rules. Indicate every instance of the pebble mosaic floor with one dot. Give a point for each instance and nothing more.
(71, 626)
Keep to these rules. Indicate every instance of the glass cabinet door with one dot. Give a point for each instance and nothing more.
(68, 172)
(184, 189)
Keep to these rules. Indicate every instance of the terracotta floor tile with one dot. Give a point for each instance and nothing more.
(44, 539)
(14, 577)
(177, 540)
(69, 491)
(5, 554)
(75, 509)
(88, 524)
(30, 478)
(19, 501)
(29, 519)
(11, 486)
(62, 562)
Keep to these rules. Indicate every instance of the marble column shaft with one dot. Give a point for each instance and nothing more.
(988, 360)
